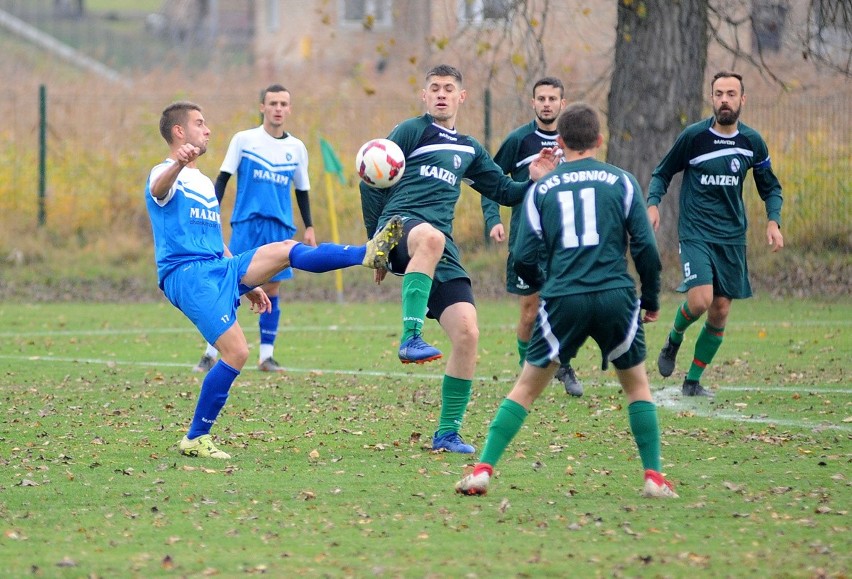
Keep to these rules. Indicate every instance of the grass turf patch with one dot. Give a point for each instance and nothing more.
(332, 474)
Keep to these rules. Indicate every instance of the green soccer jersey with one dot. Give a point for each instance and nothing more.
(436, 162)
(714, 169)
(586, 213)
(518, 150)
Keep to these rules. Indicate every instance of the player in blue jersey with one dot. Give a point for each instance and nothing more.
(268, 162)
(715, 156)
(434, 282)
(585, 215)
(514, 156)
(204, 280)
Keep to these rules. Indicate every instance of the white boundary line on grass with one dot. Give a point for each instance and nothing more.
(668, 397)
(671, 399)
(361, 328)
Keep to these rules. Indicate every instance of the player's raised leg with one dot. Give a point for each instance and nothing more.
(271, 258)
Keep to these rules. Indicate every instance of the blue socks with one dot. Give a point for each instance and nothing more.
(326, 256)
(269, 323)
(211, 400)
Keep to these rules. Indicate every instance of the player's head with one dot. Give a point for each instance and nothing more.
(275, 105)
(727, 92)
(183, 122)
(548, 100)
(579, 127)
(445, 70)
(443, 93)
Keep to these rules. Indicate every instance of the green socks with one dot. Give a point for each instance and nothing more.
(706, 346)
(455, 394)
(683, 319)
(506, 424)
(646, 433)
(511, 415)
(415, 299)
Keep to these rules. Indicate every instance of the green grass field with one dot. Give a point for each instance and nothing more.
(332, 475)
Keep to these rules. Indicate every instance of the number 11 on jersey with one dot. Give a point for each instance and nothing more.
(590, 223)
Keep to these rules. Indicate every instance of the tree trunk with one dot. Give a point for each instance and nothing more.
(657, 88)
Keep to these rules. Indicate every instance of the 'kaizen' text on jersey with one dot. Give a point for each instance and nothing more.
(720, 180)
(438, 173)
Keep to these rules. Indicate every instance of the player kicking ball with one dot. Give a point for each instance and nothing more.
(200, 276)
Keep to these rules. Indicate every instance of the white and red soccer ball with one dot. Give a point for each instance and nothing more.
(380, 163)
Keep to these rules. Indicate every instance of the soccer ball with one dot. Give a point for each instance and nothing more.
(380, 163)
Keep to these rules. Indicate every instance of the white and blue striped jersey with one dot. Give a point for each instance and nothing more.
(266, 168)
(186, 223)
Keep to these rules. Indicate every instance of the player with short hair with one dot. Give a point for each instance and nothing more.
(268, 162)
(514, 156)
(585, 214)
(715, 155)
(204, 280)
(434, 282)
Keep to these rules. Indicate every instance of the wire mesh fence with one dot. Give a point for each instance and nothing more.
(100, 146)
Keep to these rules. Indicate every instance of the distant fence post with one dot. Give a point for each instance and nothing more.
(42, 153)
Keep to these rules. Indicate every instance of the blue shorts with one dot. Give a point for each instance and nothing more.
(246, 235)
(208, 292)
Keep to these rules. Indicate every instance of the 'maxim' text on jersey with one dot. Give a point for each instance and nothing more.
(264, 175)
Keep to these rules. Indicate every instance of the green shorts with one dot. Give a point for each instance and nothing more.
(611, 318)
(720, 265)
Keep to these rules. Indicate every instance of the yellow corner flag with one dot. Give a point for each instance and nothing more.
(333, 166)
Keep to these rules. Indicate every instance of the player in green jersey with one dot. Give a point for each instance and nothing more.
(434, 282)
(585, 214)
(715, 155)
(514, 156)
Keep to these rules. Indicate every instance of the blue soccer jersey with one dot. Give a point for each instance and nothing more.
(267, 169)
(186, 223)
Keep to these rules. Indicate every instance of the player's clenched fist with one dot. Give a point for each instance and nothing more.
(187, 153)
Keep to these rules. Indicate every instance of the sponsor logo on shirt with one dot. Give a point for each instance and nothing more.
(720, 180)
(199, 214)
(724, 142)
(438, 173)
(264, 175)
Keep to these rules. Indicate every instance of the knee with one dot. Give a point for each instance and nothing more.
(467, 337)
(698, 304)
(718, 314)
(428, 240)
(236, 357)
(286, 246)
